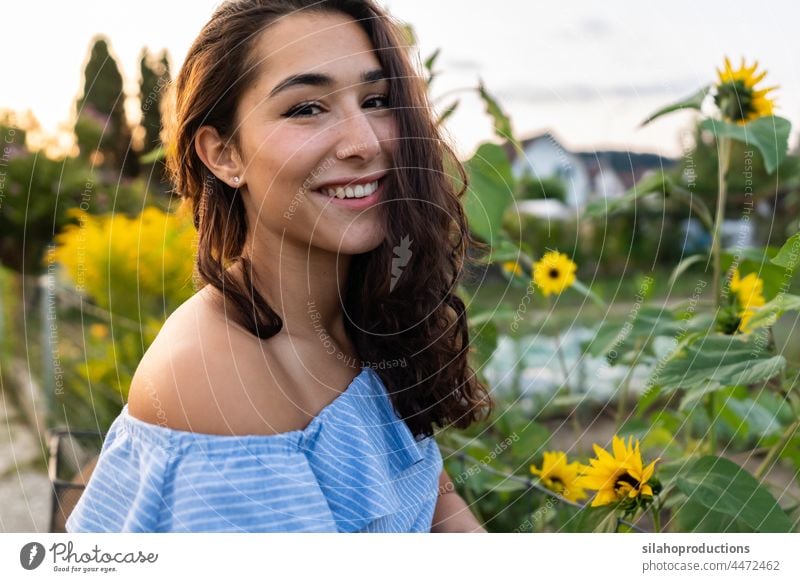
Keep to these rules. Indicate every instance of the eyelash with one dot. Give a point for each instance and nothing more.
(294, 111)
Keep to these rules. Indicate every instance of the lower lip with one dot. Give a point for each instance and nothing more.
(356, 203)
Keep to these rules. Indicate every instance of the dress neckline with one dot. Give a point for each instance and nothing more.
(138, 425)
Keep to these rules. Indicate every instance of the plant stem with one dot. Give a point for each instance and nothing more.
(656, 509)
(776, 449)
(716, 244)
(716, 247)
(576, 425)
(712, 434)
(623, 397)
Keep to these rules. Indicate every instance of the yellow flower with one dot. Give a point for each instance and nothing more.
(748, 290)
(749, 296)
(737, 96)
(554, 272)
(512, 268)
(559, 476)
(744, 320)
(122, 263)
(98, 330)
(618, 478)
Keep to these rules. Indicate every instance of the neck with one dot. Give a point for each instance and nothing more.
(305, 285)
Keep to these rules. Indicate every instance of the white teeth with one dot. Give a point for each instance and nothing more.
(359, 191)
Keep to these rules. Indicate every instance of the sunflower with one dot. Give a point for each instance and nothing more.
(738, 98)
(559, 476)
(512, 268)
(748, 293)
(620, 478)
(554, 272)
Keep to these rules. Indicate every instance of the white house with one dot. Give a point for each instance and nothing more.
(586, 175)
(545, 157)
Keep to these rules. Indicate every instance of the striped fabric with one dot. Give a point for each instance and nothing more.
(355, 468)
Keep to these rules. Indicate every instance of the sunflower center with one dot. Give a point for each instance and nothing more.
(625, 482)
(556, 484)
(553, 273)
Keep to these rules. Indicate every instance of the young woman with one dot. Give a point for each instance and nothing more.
(300, 388)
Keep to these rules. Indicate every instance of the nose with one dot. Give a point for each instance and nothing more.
(357, 138)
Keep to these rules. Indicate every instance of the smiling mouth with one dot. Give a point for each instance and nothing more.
(352, 192)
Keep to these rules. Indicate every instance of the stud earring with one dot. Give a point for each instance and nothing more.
(236, 179)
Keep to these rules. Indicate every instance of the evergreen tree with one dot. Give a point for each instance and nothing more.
(155, 77)
(101, 124)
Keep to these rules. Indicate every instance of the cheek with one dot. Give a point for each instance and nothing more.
(285, 161)
(386, 130)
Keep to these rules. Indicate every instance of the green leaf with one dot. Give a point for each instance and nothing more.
(769, 134)
(601, 519)
(499, 315)
(490, 192)
(693, 102)
(789, 255)
(483, 344)
(723, 486)
(657, 182)
(654, 183)
(491, 482)
(429, 64)
(756, 420)
(503, 250)
(717, 360)
(771, 311)
(693, 517)
(681, 268)
(588, 293)
(502, 122)
(154, 155)
(408, 32)
(646, 399)
(528, 440)
(448, 112)
(651, 321)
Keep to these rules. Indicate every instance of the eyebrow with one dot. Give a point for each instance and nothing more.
(322, 80)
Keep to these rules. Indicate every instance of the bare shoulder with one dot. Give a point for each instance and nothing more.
(204, 374)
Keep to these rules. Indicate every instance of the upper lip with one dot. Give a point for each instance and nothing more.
(352, 181)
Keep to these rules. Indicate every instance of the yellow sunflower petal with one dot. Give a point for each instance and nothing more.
(603, 498)
(648, 471)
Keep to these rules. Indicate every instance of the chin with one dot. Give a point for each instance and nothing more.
(352, 243)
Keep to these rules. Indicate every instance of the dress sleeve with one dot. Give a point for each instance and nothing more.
(124, 491)
(150, 478)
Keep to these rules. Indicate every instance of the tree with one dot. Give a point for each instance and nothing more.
(101, 126)
(155, 77)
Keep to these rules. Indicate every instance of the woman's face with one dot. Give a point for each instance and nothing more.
(296, 137)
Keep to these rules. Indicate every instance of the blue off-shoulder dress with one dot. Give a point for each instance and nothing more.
(355, 468)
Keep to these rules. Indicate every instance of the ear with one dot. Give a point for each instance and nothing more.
(220, 156)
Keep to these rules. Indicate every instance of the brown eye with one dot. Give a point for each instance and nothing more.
(384, 98)
(301, 110)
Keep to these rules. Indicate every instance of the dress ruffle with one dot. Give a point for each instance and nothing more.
(355, 467)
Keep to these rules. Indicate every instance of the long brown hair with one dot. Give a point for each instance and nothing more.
(415, 318)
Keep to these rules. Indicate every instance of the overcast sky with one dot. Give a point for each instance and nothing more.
(587, 71)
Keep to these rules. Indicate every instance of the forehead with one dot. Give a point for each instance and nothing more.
(312, 42)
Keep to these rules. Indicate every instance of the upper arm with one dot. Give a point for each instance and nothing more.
(175, 380)
(209, 382)
(160, 385)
